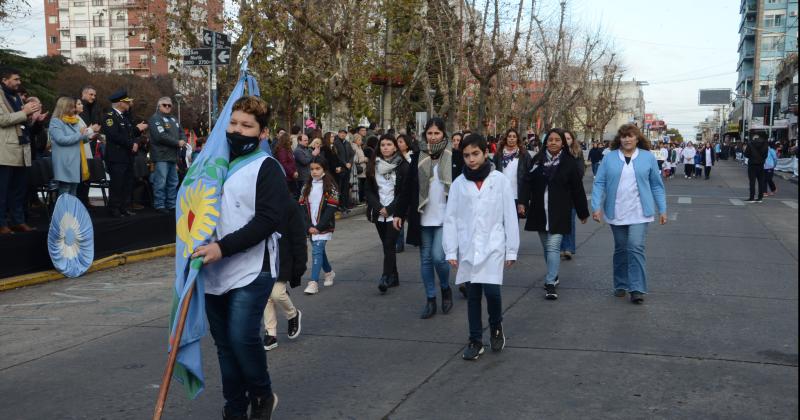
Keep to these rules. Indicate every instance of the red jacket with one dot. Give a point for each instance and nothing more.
(286, 158)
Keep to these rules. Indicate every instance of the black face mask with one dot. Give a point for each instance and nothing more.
(241, 145)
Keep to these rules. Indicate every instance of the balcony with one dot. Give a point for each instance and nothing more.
(116, 4)
(748, 7)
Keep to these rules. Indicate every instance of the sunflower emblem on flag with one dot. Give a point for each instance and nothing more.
(197, 216)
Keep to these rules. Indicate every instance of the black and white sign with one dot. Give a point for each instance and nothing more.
(223, 41)
(202, 57)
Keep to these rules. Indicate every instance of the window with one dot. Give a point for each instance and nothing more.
(97, 20)
(79, 4)
(54, 40)
(52, 19)
(772, 43)
(99, 41)
(763, 90)
(143, 38)
(122, 58)
(97, 2)
(143, 60)
(80, 41)
(774, 21)
(121, 17)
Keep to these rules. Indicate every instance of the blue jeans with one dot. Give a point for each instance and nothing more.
(165, 185)
(568, 242)
(13, 187)
(67, 188)
(431, 254)
(595, 165)
(551, 242)
(494, 306)
(235, 322)
(630, 264)
(319, 259)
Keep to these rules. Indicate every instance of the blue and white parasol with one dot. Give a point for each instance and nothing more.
(70, 240)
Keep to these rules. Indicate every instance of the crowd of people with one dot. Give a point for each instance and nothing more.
(143, 162)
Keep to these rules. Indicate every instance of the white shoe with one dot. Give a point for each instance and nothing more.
(329, 279)
(312, 288)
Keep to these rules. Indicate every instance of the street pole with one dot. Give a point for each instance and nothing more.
(744, 108)
(214, 77)
(771, 106)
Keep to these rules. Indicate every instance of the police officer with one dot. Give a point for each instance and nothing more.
(166, 139)
(120, 133)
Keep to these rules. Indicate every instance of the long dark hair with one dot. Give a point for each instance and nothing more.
(327, 142)
(540, 156)
(439, 123)
(628, 130)
(328, 184)
(502, 143)
(377, 153)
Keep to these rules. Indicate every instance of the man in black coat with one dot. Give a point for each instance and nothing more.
(756, 153)
(344, 150)
(121, 147)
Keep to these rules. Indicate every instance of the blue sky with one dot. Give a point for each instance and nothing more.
(678, 46)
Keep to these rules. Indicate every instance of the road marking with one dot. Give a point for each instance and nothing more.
(792, 204)
(684, 200)
(736, 202)
(673, 217)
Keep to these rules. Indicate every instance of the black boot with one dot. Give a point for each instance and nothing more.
(394, 280)
(447, 300)
(226, 415)
(430, 309)
(383, 284)
(261, 408)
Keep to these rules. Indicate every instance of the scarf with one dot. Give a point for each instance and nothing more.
(508, 157)
(70, 119)
(551, 164)
(15, 102)
(478, 175)
(385, 167)
(427, 154)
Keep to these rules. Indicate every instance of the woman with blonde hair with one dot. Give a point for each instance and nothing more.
(67, 137)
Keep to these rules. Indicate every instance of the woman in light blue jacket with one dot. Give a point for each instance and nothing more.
(769, 169)
(629, 190)
(67, 137)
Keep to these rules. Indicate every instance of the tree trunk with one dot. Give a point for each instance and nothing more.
(483, 96)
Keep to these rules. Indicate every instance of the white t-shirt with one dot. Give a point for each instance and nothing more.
(315, 200)
(386, 191)
(510, 172)
(433, 213)
(708, 157)
(628, 205)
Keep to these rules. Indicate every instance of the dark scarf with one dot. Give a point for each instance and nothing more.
(16, 106)
(550, 165)
(478, 175)
(508, 157)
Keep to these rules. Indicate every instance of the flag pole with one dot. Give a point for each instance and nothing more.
(175, 342)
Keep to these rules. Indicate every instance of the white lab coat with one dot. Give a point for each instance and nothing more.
(481, 229)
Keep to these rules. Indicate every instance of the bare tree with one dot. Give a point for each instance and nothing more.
(598, 101)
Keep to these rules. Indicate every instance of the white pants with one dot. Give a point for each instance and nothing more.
(280, 298)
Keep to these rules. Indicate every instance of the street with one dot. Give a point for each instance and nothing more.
(716, 337)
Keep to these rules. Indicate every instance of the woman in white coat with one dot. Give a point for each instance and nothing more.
(480, 237)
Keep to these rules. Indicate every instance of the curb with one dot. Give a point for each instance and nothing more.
(355, 211)
(787, 176)
(112, 261)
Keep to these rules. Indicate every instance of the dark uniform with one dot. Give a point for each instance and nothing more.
(120, 133)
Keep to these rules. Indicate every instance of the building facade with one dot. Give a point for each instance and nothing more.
(114, 35)
(767, 34)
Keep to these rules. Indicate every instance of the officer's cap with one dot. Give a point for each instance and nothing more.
(120, 96)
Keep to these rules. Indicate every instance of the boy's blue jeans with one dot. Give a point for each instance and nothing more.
(319, 259)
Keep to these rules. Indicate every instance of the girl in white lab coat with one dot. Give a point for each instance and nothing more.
(480, 236)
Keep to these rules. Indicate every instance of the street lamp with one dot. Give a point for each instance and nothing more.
(178, 97)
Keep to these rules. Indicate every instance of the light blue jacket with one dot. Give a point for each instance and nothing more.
(772, 159)
(66, 146)
(648, 180)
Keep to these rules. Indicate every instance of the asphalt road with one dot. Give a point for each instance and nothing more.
(716, 338)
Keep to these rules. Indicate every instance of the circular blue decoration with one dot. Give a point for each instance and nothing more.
(70, 240)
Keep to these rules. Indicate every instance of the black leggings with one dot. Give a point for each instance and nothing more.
(688, 169)
(388, 235)
(768, 175)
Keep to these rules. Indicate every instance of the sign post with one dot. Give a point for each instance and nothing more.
(217, 51)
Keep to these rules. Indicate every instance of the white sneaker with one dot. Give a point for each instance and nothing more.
(312, 288)
(329, 279)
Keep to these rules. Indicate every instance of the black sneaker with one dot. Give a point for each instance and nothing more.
(262, 408)
(620, 292)
(637, 298)
(555, 283)
(294, 326)
(474, 351)
(759, 201)
(270, 342)
(550, 292)
(498, 339)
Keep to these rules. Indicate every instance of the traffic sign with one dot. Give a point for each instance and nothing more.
(223, 41)
(202, 57)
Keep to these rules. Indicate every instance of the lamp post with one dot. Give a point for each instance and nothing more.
(178, 97)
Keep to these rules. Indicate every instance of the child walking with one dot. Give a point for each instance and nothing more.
(481, 236)
(321, 200)
(293, 255)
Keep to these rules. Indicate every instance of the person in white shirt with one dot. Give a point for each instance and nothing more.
(481, 237)
(688, 154)
(423, 204)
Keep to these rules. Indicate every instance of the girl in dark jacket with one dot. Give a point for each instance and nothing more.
(552, 189)
(568, 243)
(293, 256)
(320, 198)
(387, 173)
(512, 160)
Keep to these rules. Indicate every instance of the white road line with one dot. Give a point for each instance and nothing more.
(792, 204)
(673, 217)
(684, 200)
(736, 202)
